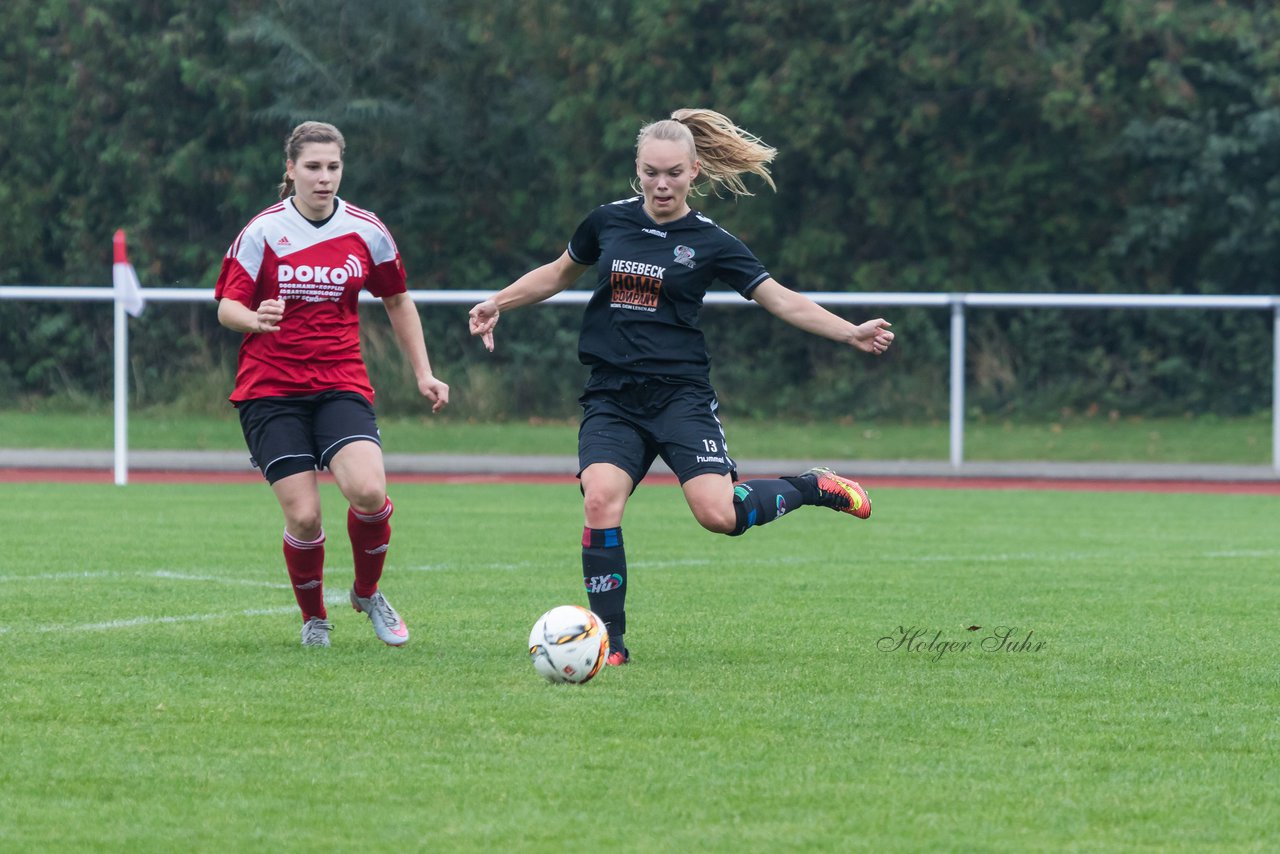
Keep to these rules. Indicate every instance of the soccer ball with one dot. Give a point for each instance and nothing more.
(568, 644)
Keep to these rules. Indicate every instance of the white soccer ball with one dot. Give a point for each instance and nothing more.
(568, 644)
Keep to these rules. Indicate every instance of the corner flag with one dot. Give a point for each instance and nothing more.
(125, 280)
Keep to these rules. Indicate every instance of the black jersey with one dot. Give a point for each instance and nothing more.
(650, 281)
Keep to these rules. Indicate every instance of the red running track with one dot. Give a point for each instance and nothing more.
(50, 475)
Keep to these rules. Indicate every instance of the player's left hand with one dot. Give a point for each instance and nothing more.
(873, 336)
(435, 391)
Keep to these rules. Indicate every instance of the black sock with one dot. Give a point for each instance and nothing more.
(759, 502)
(807, 484)
(604, 572)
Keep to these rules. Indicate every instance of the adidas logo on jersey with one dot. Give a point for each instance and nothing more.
(283, 241)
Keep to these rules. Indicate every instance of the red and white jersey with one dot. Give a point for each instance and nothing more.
(319, 273)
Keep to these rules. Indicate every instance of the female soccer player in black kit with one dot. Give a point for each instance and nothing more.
(650, 392)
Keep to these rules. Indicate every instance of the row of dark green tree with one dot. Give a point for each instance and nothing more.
(1084, 146)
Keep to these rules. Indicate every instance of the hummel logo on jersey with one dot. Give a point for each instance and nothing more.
(283, 241)
(382, 549)
(654, 232)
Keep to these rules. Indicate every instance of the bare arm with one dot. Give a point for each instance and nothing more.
(534, 286)
(872, 336)
(407, 326)
(237, 316)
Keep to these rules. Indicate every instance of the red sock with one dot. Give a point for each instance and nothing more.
(305, 563)
(370, 536)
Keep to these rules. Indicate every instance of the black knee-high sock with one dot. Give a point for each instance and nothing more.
(760, 501)
(604, 571)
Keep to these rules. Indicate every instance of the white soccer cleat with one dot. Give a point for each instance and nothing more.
(315, 632)
(387, 624)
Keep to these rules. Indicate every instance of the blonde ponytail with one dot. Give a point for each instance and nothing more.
(725, 150)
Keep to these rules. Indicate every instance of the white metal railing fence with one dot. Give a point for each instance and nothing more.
(957, 302)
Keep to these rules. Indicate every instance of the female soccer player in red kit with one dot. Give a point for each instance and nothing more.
(650, 391)
(291, 282)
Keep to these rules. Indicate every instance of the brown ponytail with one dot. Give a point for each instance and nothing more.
(300, 136)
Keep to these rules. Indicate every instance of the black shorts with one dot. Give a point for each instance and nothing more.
(631, 426)
(288, 435)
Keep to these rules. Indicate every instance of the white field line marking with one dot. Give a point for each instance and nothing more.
(58, 576)
(955, 557)
(151, 621)
(1029, 557)
(160, 573)
(132, 622)
(643, 564)
(179, 576)
(1074, 557)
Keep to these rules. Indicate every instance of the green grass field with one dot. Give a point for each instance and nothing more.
(156, 698)
(1207, 439)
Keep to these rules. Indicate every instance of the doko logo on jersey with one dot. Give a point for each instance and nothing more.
(603, 583)
(314, 283)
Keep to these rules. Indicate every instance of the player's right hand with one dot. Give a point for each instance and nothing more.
(270, 313)
(482, 319)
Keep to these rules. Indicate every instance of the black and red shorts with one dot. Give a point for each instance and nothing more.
(288, 435)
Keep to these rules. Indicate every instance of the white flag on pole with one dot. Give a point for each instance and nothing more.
(125, 279)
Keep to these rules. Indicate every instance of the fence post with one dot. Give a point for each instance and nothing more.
(957, 380)
(126, 299)
(1275, 388)
(121, 394)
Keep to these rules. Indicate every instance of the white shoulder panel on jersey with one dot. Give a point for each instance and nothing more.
(284, 231)
(382, 246)
(709, 221)
(247, 248)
